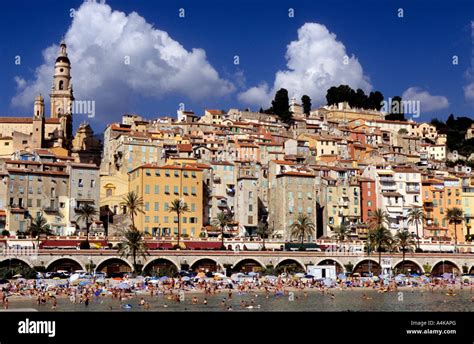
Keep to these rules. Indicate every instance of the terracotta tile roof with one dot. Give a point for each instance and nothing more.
(185, 147)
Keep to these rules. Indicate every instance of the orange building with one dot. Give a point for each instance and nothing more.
(368, 198)
(438, 196)
(247, 151)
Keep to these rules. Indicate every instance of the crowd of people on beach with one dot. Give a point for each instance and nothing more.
(47, 292)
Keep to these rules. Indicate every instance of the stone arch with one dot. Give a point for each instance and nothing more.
(362, 267)
(248, 265)
(161, 265)
(113, 265)
(205, 263)
(65, 263)
(339, 267)
(294, 265)
(14, 266)
(407, 265)
(443, 266)
(471, 270)
(6, 262)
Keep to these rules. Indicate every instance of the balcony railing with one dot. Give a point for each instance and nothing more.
(412, 190)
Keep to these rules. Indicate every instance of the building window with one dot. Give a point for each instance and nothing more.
(147, 206)
(147, 189)
(147, 219)
(185, 190)
(156, 206)
(250, 220)
(175, 190)
(176, 174)
(250, 207)
(80, 183)
(167, 189)
(193, 191)
(157, 189)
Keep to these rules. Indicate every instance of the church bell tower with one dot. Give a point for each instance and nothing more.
(62, 96)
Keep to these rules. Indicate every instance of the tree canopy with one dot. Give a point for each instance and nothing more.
(356, 99)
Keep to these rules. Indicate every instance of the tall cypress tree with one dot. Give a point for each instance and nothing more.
(306, 101)
(281, 105)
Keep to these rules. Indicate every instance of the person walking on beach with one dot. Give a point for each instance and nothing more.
(5, 303)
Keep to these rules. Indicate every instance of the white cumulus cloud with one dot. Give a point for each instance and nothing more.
(315, 62)
(427, 101)
(469, 92)
(101, 40)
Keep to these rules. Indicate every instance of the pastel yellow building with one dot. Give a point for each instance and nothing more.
(159, 186)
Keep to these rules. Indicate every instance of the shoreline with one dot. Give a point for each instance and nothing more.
(146, 293)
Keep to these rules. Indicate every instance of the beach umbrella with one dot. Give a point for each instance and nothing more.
(4, 281)
(308, 276)
(17, 276)
(83, 283)
(252, 273)
(415, 275)
(328, 282)
(299, 275)
(162, 279)
(201, 275)
(185, 278)
(342, 276)
(123, 286)
(74, 277)
(447, 275)
(237, 276)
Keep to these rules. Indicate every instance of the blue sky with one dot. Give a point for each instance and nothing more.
(390, 54)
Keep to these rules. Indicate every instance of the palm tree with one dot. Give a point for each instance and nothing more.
(302, 227)
(378, 218)
(341, 233)
(39, 226)
(178, 206)
(380, 239)
(86, 213)
(455, 215)
(404, 241)
(416, 216)
(133, 204)
(264, 231)
(133, 244)
(221, 220)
